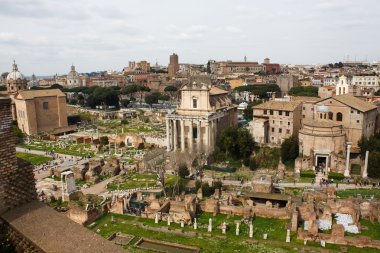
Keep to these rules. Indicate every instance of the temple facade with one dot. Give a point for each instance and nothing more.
(204, 112)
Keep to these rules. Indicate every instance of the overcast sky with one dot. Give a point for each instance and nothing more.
(47, 36)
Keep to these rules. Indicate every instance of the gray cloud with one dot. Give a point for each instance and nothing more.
(46, 37)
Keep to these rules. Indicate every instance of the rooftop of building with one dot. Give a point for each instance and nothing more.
(278, 105)
(31, 94)
(217, 91)
(321, 123)
(53, 232)
(354, 102)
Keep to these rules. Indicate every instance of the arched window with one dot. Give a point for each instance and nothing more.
(320, 115)
(340, 91)
(344, 90)
(331, 116)
(339, 116)
(324, 115)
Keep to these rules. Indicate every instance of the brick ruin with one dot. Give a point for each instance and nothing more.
(29, 225)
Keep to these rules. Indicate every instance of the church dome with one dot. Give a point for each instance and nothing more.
(15, 74)
(73, 73)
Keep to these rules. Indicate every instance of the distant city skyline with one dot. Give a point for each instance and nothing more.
(46, 37)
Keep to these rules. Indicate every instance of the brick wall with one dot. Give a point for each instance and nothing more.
(17, 183)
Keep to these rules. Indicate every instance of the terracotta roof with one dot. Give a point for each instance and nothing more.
(217, 91)
(30, 94)
(278, 105)
(305, 99)
(354, 102)
(53, 232)
(321, 123)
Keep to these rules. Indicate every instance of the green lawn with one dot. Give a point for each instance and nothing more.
(141, 180)
(34, 159)
(364, 192)
(215, 243)
(71, 149)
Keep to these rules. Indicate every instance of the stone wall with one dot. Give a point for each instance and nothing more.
(17, 183)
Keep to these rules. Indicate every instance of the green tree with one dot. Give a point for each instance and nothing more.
(56, 86)
(198, 184)
(307, 91)
(103, 96)
(248, 112)
(245, 142)
(289, 149)
(218, 185)
(259, 90)
(237, 142)
(374, 164)
(183, 171)
(207, 190)
(104, 140)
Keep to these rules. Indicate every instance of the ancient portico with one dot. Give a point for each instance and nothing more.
(204, 111)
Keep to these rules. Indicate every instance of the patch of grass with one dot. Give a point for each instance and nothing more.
(268, 157)
(307, 174)
(274, 228)
(363, 192)
(141, 180)
(34, 159)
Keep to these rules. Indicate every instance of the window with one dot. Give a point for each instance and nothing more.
(320, 115)
(287, 131)
(271, 112)
(273, 121)
(331, 116)
(279, 112)
(280, 130)
(289, 122)
(287, 113)
(195, 103)
(339, 116)
(352, 111)
(272, 129)
(45, 105)
(357, 121)
(358, 112)
(265, 112)
(303, 108)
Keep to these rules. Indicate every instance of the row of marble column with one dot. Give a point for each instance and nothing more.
(176, 137)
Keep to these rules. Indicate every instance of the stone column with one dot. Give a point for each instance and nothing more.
(365, 171)
(190, 135)
(224, 226)
(195, 224)
(250, 230)
(207, 144)
(288, 235)
(168, 135)
(347, 170)
(212, 136)
(199, 136)
(182, 136)
(156, 218)
(209, 228)
(175, 135)
(237, 228)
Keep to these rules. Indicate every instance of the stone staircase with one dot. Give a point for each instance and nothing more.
(319, 177)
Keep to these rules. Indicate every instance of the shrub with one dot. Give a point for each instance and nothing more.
(307, 173)
(183, 171)
(336, 176)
